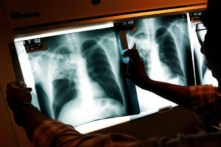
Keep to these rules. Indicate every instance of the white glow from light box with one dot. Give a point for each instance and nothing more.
(65, 31)
(101, 124)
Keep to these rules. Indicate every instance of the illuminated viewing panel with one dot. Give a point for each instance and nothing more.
(77, 76)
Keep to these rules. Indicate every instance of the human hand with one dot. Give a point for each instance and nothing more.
(136, 69)
(17, 92)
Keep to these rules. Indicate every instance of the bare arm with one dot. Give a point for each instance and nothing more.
(175, 93)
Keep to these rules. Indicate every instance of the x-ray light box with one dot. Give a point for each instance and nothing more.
(77, 76)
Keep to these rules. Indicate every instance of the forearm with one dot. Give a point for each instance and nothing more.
(175, 93)
(26, 115)
(31, 118)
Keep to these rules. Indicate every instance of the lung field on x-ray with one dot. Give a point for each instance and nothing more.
(163, 43)
(164, 46)
(99, 69)
(64, 82)
(168, 51)
(80, 74)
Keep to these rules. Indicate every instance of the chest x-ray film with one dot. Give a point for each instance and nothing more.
(203, 73)
(76, 77)
(164, 46)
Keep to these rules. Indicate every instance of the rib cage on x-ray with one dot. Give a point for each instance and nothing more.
(99, 69)
(162, 42)
(81, 79)
(164, 46)
(168, 51)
